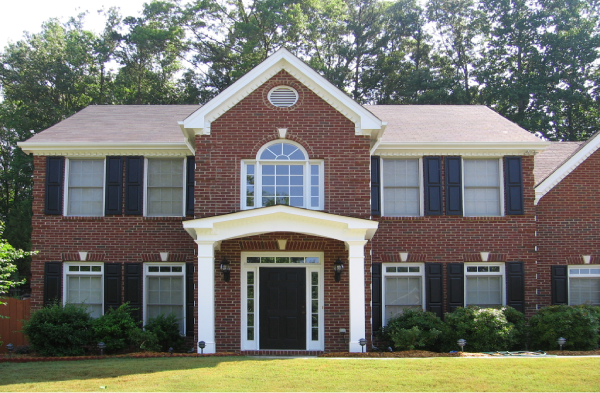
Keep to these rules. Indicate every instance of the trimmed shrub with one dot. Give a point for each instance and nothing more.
(414, 329)
(485, 329)
(578, 324)
(59, 331)
(116, 329)
(145, 340)
(166, 329)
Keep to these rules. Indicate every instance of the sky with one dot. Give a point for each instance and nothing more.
(17, 16)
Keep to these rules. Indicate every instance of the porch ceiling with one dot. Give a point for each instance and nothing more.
(280, 219)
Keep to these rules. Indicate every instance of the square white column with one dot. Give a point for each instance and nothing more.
(356, 257)
(206, 295)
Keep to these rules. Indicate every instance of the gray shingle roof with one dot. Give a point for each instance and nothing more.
(447, 123)
(554, 156)
(120, 124)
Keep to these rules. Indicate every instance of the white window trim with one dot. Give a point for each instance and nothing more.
(164, 274)
(501, 273)
(569, 275)
(421, 186)
(66, 273)
(385, 274)
(66, 186)
(258, 179)
(253, 345)
(500, 188)
(183, 189)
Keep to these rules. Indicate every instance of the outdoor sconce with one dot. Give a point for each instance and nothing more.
(343, 333)
(461, 343)
(338, 267)
(362, 343)
(225, 269)
(101, 345)
(561, 341)
(201, 345)
(10, 348)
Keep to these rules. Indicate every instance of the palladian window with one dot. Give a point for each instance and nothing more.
(282, 175)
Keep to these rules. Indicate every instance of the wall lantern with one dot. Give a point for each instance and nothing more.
(362, 343)
(10, 348)
(225, 269)
(201, 345)
(561, 341)
(101, 345)
(338, 267)
(461, 343)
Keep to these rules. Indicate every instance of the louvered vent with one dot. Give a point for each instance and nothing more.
(283, 96)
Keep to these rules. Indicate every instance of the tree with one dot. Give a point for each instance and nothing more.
(8, 255)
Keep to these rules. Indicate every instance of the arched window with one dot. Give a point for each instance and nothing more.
(282, 174)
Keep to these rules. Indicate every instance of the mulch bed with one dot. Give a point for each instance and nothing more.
(427, 354)
(136, 355)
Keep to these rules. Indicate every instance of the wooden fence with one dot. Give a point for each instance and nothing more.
(16, 310)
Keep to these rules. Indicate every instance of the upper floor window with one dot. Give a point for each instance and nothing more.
(282, 175)
(584, 285)
(165, 187)
(482, 187)
(85, 188)
(401, 188)
(484, 284)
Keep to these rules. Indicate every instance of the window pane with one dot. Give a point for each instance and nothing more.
(85, 193)
(401, 173)
(484, 291)
(86, 290)
(482, 187)
(402, 291)
(401, 201)
(165, 187)
(401, 187)
(584, 290)
(482, 201)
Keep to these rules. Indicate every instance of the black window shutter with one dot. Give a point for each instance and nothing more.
(112, 286)
(453, 186)
(54, 185)
(456, 286)
(134, 185)
(434, 288)
(114, 185)
(375, 186)
(513, 184)
(560, 293)
(133, 288)
(190, 184)
(433, 186)
(52, 282)
(376, 297)
(189, 299)
(515, 285)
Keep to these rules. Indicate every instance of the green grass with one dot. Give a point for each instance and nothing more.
(315, 374)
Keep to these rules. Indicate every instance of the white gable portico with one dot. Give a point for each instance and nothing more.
(209, 232)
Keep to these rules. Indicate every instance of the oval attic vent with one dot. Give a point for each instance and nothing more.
(283, 96)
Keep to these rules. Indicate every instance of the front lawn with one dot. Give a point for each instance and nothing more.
(314, 374)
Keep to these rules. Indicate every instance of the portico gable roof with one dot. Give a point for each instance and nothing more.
(280, 218)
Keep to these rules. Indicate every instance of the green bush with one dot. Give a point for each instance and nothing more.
(166, 329)
(578, 324)
(414, 329)
(145, 340)
(59, 331)
(485, 329)
(116, 329)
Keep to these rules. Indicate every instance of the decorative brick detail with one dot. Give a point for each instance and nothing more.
(497, 257)
(70, 257)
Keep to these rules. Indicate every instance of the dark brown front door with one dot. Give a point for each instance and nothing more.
(282, 308)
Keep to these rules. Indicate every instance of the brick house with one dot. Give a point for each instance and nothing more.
(283, 217)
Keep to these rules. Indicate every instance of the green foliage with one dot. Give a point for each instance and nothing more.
(145, 340)
(166, 329)
(414, 329)
(578, 324)
(59, 331)
(117, 329)
(485, 329)
(8, 255)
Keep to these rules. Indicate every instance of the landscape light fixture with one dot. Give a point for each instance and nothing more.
(10, 348)
(101, 345)
(338, 268)
(201, 345)
(225, 269)
(171, 351)
(362, 343)
(561, 341)
(343, 333)
(461, 343)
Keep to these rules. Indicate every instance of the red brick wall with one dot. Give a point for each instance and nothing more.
(568, 223)
(448, 239)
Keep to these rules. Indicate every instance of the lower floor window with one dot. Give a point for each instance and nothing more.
(584, 285)
(403, 289)
(484, 285)
(165, 292)
(83, 285)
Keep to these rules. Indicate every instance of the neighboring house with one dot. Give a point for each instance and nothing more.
(234, 215)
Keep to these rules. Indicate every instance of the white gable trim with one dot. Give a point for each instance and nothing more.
(199, 122)
(565, 169)
(470, 149)
(88, 149)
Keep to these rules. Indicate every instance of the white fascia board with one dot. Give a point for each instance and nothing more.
(565, 169)
(460, 148)
(200, 121)
(74, 149)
